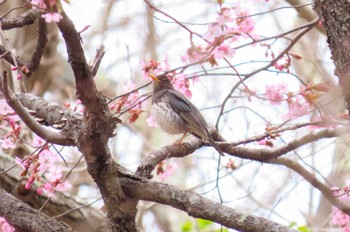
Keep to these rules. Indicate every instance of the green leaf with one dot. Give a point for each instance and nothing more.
(187, 227)
(292, 224)
(203, 224)
(304, 229)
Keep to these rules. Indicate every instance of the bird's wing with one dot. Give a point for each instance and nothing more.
(189, 113)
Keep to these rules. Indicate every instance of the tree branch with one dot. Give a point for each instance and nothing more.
(75, 214)
(198, 206)
(70, 122)
(335, 19)
(7, 55)
(97, 61)
(25, 19)
(23, 218)
(47, 135)
(309, 177)
(40, 47)
(98, 127)
(259, 154)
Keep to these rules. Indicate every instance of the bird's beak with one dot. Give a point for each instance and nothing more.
(154, 77)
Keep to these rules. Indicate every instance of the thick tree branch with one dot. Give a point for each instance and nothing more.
(68, 121)
(40, 47)
(335, 19)
(25, 19)
(47, 135)
(98, 127)
(198, 206)
(23, 218)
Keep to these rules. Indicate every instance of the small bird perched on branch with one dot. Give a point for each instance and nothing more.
(175, 114)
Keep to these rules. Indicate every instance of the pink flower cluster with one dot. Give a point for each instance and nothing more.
(231, 25)
(9, 122)
(275, 93)
(50, 16)
(299, 104)
(282, 64)
(338, 217)
(4, 226)
(42, 168)
(167, 172)
(297, 107)
(129, 100)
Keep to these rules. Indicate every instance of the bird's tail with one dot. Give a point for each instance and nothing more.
(215, 145)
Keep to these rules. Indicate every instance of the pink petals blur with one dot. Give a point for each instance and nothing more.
(232, 24)
(52, 17)
(4, 226)
(166, 172)
(42, 169)
(338, 217)
(275, 93)
(49, 16)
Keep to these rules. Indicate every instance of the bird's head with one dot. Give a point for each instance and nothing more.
(161, 82)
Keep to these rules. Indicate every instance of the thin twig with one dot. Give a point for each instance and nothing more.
(80, 207)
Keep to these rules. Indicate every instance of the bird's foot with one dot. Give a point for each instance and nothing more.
(179, 141)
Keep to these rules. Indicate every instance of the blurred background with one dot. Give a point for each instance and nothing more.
(133, 34)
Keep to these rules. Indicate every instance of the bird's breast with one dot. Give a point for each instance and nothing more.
(167, 118)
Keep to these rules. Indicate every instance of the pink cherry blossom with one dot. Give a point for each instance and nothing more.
(54, 173)
(132, 99)
(245, 24)
(63, 186)
(225, 16)
(46, 159)
(38, 3)
(41, 3)
(52, 17)
(214, 31)
(194, 54)
(38, 142)
(20, 163)
(12, 121)
(19, 76)
(181, 84)
(7, 143)
(151, 67)
(30, 182)
(275, 93)
(266, 142)
(297, 107)
(170, 169)
(49, 189)
(338, 217)
(39, 190)
(223, 51)
(341, 219)
(4, 226)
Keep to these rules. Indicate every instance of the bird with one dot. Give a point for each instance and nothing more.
(175, 114)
